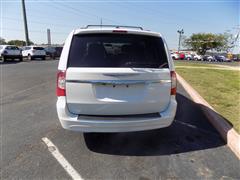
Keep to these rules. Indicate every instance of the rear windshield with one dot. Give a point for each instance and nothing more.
(12, 48)
(38, 48)
(117, 50)
(59, 48)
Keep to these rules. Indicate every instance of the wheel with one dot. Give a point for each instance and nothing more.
(44, 58)
(29, 57)
(20, 59)
(2, 59)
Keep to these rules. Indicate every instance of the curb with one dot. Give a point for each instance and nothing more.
(230, 136)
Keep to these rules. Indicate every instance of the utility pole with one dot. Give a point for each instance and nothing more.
(25, 22)
(180, 37)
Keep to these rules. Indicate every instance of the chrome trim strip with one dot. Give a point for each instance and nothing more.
(119, 75)
(118, 82)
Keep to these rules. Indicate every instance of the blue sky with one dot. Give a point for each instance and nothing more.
(162, 16)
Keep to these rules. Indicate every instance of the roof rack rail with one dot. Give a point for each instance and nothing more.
(116, 26)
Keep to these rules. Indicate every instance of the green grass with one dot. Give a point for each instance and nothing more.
(203, 64)
(191, 63)
(221, 88)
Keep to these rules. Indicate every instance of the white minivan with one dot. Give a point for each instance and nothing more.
(115, 79)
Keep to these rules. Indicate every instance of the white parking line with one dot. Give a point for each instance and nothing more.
(62, 161)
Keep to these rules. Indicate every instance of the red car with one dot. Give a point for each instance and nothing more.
(182, 56)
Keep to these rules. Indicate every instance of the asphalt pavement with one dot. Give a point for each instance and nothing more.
(189, 149)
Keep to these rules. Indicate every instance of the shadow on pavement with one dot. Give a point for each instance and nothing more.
(10, 62)
(190, 131)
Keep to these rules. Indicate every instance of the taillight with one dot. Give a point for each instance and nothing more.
(61, 77)
(173, 83)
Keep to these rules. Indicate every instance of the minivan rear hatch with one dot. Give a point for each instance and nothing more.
(117, 74)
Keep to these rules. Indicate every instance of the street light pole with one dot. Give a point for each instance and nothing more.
(25, 22)
(180, 37)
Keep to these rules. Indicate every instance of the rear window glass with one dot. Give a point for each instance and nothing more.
(49, 49)
(38, 48)
(117, 50)
(12, 48)
(59, 48)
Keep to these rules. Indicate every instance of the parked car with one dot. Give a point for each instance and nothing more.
(208, 58)
(10, 52)
(133, 89)
(197, 57)
(228, 60)
(175, 56)
(237, 59)
(182, 56)
(188, 57)
(32, 52)
(53, 52)
(219, 58)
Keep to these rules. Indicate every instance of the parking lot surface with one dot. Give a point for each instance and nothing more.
(189, 149)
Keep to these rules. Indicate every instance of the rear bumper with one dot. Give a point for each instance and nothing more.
(11, 56)
(73, 122)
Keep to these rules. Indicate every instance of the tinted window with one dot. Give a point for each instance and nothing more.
(26, 48)
(117, 50)
(50, 49)
(38, 48)
(59, 49)
(12, 48)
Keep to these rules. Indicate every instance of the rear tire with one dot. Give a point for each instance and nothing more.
(2, 59)
(20, 59)
(29, 57)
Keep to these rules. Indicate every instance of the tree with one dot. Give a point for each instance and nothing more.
(18, 42)
(2, 41)
(230, 41)
(202, 42)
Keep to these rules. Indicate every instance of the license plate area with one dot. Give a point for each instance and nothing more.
(120, 92)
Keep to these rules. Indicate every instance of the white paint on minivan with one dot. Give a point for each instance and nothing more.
(128, 87)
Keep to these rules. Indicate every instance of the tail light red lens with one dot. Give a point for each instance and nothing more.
(173, 83)
(61, 78)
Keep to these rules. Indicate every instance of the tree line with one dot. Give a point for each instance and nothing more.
(14, 42)
(199, 42)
